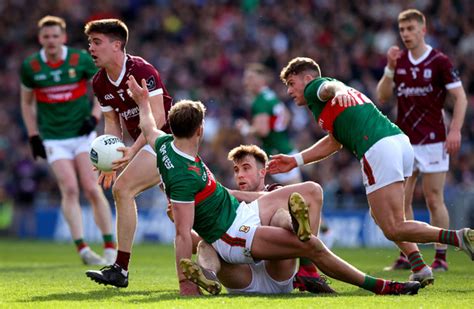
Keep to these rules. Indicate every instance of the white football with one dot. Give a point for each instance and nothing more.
(104, 151)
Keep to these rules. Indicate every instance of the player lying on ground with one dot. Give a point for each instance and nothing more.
(240, 233)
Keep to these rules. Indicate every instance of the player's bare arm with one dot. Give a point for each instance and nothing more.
(28, 110)
(453, 140)
(183, 220)
(336, 91)
(147, 121)
(246, 196)
(319, 151)
(385, 85)
(261, 125)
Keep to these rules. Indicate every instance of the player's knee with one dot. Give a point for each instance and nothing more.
(392, 232)
(70, 191)
(314, 191)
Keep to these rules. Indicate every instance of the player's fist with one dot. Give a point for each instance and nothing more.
(37, 147)
(393, 54)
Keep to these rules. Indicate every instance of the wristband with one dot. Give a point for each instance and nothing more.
(299, 159)
(388, 72)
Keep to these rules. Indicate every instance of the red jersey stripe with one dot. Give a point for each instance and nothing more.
(368, 171)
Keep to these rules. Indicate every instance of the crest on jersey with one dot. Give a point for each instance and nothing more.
(72, 73)
(151, 83)
(244, 229)
(427, 73)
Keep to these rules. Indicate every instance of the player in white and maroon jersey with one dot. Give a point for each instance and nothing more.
(107, 41)
(422, 77)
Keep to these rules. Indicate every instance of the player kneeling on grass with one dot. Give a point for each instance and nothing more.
(239, 232)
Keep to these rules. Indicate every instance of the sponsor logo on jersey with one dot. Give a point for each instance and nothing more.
(427, 73)
(244, 229)
(401, 71)
(151, 83)
(404, 91)
(129, 113)
(165, 159)
(56, 75)
(109, 96)
(39, 77)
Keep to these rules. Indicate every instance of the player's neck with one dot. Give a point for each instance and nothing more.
(419, 51)
(188, 146)
(115, 68)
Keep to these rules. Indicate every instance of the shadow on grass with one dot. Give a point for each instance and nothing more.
(150, 296)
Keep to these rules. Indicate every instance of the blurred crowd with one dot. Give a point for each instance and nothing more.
(200, 48)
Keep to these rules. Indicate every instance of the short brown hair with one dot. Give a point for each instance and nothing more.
(113, 28)
(185, 117)
(412, 14)
(298, 65)
(240, 152)
(50, 20)
(258, 68)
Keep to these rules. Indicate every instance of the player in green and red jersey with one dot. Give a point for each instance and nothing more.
(60, 125)
(385, 154)
(270, 119)
(240, 233)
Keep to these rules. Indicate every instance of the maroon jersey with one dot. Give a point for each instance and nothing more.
(421, 86)
(113, 95)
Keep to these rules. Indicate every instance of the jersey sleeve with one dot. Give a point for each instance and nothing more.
(89, 66)
(161, 140)
(26, 77)
(183, 188)
(449, 74)
(311, 92)
(152, 78)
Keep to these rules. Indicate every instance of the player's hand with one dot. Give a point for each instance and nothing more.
(453, 142)
(139, 94)
(88, 125)
(344, 99)
(128, 155)
(243, 126)
(281, 164)
(187, 288)
(393, 54)
(169, 212)
(106, 179)
(37, 147)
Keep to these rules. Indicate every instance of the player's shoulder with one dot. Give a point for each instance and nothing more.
(31, 58)
(99, 78)
(138, 63)
(438, 56)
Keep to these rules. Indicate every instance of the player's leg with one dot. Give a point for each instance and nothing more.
(234, 276)
(278, 199)
(433, 189)
(402, 261)
(140, 174)
(100, 205)
(278, 243)
(65, 173)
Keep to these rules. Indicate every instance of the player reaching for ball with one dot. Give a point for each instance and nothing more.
(60, 125)
(107, 41)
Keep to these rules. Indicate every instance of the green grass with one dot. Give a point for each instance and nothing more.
(44, 274)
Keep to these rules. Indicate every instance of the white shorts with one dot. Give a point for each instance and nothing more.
(387, 161)
(57, 149)
(235, 245)
(431, 158)
(262, 283)
(148, 148)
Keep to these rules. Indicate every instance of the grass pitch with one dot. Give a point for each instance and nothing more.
(49, 275)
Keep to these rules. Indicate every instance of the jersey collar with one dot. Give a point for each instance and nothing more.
(122, 73)
(183, 154)
(45, 60)
(422, 58)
